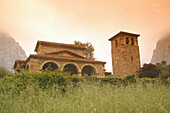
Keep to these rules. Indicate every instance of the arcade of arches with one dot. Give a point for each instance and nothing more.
(70, 68)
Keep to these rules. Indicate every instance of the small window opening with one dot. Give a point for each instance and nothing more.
(132, 41)
(127, 40)
(132, 59)
(117, 61)
(116, 43)
(27, 67)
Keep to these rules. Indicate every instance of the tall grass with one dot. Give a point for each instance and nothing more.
(88, 97)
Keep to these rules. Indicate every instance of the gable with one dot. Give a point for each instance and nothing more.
(47, 47)
(65, 53)
(43, 47)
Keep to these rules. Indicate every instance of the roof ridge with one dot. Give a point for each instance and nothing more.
(60, 43)
(20, 60)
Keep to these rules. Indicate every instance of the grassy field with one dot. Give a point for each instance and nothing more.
(88, 97)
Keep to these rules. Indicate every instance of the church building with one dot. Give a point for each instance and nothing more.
(66, 57)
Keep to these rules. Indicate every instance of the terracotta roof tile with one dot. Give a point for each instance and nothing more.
(21, 61)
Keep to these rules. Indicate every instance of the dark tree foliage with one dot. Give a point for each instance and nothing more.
(4, 72)
(89, 52)
(149, 70)
(164, 69)
(163, 62)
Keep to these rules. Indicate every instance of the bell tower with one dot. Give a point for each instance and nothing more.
(125, 54)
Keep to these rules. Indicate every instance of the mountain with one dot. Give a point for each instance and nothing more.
(10, 50)
(162, 51)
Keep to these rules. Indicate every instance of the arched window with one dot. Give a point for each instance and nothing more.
(88, 70)
(127, 40)
(70, 68)
(50, 66)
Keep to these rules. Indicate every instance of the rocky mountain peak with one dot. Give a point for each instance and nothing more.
(162, 51)
(10, 50)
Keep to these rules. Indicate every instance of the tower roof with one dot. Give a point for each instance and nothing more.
(122, 32)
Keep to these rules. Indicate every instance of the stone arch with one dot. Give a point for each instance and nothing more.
(88, 69)
(71, 67)
(49, 63)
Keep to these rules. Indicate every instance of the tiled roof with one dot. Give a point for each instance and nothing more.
(122, 32)
(64, 51)
(64, 58)
(59, 44)
(20, 61)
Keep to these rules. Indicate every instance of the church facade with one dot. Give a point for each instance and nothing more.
(66, 57)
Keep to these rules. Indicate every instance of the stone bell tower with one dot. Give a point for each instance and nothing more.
(125, 54)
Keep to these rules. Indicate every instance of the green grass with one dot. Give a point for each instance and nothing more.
(88, 97)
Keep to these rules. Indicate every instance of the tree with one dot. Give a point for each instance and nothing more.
(164, 69)
(149, 70)
(4, 72)
(163, 62)
(89, 51)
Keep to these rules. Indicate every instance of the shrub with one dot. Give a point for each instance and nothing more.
(164, 75)
(130, 79)
(149, 70)
(4, 72)
(43, 80)
(163, 62)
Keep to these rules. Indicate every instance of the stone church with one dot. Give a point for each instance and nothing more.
(125, 54)
(67, 57)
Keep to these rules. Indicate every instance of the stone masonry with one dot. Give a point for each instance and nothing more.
(62, 56)
(125, 54)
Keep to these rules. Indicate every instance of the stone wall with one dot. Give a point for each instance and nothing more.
(36, 64)
(47, 49)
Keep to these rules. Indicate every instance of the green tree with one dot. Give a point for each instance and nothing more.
(89, 51)
(4, 72)
(149, 70)
(163, 62)
(164, 69)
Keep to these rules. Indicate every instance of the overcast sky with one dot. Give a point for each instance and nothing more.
(95, 21)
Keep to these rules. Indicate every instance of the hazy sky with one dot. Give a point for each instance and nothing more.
(95, 21)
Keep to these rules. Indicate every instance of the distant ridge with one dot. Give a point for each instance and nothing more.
(10, 51)
(162, 51)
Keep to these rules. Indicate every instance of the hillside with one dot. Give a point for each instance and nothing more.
(10, 50)
(162, 51)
